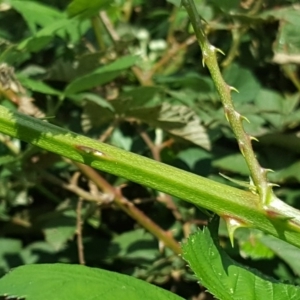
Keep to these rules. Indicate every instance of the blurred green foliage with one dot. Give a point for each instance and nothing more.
(130, 73)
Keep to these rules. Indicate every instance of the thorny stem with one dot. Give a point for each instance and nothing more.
(209, 52)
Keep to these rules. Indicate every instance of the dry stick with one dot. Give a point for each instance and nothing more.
(209, 52)
(155, 149)
(71, 187)
(107, 133)
(175, 48)
(109, 26)
(129, 208)
(79, 232)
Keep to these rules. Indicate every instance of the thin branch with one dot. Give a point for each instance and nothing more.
(108, 132)
(79, 223)
(109, 27)
(73, 188)
(155, 149)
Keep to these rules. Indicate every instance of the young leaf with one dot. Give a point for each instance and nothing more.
(225, 278)
(36, 14)
(101, 75)
(86, 9)
(62, 281)
(37, 86)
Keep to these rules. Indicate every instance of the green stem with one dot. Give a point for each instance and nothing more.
(209, 52)
(219, 198)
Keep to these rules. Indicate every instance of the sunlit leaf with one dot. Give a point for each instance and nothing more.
(79, 282)
(227, 279)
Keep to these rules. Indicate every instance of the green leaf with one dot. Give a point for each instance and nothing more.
(175, 2)
(62, 281)
(269, 101)
(101, 75)
(227, 5)
(178, 120)
(251, 245)
(95, 115)
(120, 140)
(287, 44)
(287, 252)
(234, 163)
(6, 159)
(136, 246)
(141, 96)
(290, 172)
(36, 14)
(43, 37)
(225, 278)
(86, 9)
(192, 155)
(244, 81)
(9, 254)
(59, 227)
(94, 98)
(37, 86)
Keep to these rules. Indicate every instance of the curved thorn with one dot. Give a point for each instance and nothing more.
(245, 119)
(226, 116)
(252, 138)
(233, 89)
(219, 50)
(232, 225)
(273, 184)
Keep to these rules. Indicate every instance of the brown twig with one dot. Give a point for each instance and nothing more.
(79, 223)
(155, 151)
(171, 53)
(109, 27)
(107, 133)
(130, 209)
(100, 198)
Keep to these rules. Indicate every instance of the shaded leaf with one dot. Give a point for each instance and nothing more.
(244, 81)
(95, 115)
(37, 86)
(288, 173)
(287, 252)
(43, 37)
(192, 155)
(86, 9)
(234, 163)
(177, 120)
(228, 5)
(136, 245)
(9, 254)
(59, 228)
(36, 14)
(101, 75)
